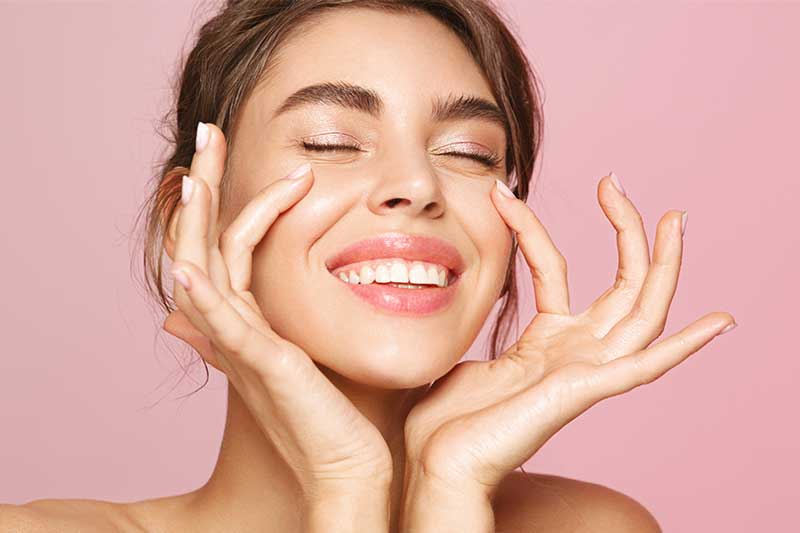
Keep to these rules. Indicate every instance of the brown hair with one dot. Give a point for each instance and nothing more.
(233, 52)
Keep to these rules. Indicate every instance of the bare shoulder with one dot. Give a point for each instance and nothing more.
(57, 515)
(541, 502)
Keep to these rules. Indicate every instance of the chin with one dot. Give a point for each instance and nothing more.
(389, 369)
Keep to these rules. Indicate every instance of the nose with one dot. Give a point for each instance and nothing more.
(410, 189)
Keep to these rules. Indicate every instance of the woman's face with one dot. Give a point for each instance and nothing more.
(398, 180)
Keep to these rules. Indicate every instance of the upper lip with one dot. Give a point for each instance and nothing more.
(403, 245)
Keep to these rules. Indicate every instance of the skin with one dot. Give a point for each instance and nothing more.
(329, 407)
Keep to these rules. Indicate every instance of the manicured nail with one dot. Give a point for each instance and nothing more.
(727, 328)
(181, 277)
(201, 139)
(187, 186)
(615, 181)
(299, 172)
(503, 188)
(684, 217)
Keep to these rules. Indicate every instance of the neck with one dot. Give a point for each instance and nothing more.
(251, 484)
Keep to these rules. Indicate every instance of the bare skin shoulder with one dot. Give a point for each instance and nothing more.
(542, 503)
(524, 503)
(48, 515)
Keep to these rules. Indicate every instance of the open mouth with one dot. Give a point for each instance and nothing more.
(400, 272)
(422, 289)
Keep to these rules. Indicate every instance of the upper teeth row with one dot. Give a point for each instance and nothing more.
(396, 271)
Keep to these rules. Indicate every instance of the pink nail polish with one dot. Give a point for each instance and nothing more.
(503, 188)
(684, 218)
(181, 277)
(187, 186)
(615, 181)
(201, 138)
(727, 328)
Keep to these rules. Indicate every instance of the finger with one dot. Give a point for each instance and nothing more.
(633, 257)
(241, 237)
(646, 320)
(190, 241)
(191, 236)
(239, 341)
(625, 373)
(548, 267)
(208, 164)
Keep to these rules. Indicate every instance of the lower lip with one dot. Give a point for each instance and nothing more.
(411, 302)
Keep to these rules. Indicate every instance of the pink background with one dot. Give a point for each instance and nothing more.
(694, 106)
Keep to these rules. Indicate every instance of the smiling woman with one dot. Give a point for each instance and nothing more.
(342, 206)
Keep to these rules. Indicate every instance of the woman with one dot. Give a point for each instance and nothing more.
(340, 217)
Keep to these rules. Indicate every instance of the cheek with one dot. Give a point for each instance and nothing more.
(491, 236)
(286, 261)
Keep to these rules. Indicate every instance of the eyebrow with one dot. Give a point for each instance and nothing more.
(350, 96)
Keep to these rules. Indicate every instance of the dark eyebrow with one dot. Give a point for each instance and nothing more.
(367, 101)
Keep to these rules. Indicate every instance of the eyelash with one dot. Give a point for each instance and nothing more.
(490, 161)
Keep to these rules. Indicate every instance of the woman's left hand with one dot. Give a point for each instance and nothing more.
(485, 418)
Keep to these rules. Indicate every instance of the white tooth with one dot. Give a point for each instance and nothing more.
(399, 273)
(417, 274)
(433, 275)
(353, 278)
(342, 276)
(367, 275)
(442, 279)
(382, 274)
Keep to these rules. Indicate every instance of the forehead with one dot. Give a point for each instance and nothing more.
(406, 58)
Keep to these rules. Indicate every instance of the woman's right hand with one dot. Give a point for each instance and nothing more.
(317, 430)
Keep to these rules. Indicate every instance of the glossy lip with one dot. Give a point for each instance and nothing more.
(403, 245)
(410, 302)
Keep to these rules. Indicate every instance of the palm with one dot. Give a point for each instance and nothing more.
(485, 418)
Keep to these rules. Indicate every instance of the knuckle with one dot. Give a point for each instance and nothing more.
(227, 242)
(245, 341)
(236, 341)
(643, 369)
(644, 320)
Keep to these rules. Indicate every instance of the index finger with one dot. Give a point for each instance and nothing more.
(548, 267)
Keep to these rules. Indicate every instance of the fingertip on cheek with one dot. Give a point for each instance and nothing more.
(503, 189)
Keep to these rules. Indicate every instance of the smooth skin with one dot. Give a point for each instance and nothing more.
(353, 435)
(498, 413)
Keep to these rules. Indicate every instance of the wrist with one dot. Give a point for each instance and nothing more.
(430, 504)
(335, 508)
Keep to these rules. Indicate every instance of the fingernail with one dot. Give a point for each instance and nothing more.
(201, 139)
(299, 172)
(727, 328)
(187, 186)
(181, 277)
(684, 217)
(503, 188)
(617, 184)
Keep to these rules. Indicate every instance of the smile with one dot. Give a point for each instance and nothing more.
(401, 273)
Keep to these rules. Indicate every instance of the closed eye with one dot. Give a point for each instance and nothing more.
(490, 161)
